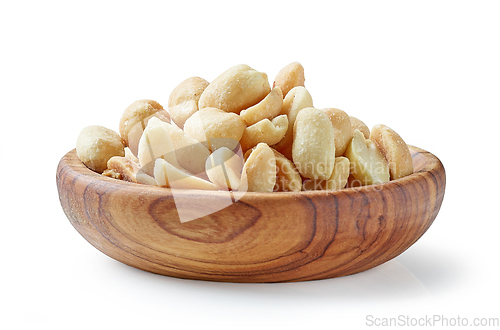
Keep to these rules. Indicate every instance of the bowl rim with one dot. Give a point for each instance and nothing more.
(70, 161)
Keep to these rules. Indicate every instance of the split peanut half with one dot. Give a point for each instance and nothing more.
(394, 150)
(368, 164)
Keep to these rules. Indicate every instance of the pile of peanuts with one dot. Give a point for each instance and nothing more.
(237, 133)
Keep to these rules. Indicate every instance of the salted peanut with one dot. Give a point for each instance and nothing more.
(223, 168)
(337, 180)
(259, 171)
(358, 124)
(183, 100)
(342, 127)
(297, 99)
(287, 176)
(155, 143)
(394, 150)
(96, 145)
(368, 164)
(168, 175)
(135, 118)
(268, 108)
(236, 89)
(313, 147)
(215, 128)
(289, 77)
(340, 174)
(191, 155)
(266, 131)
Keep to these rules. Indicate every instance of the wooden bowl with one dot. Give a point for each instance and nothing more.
(264, 237)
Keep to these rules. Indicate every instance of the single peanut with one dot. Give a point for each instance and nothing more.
(313, 148)
(168, 175)
(143, 178)
(342, 127)
(394, 150)
(259, 171)
(266, 131)
(96, 145)
(268, 108)
(287, 175)
(135, 119)
(358, 124)
(368, 164)
(223, 168)
(297, 99)
(289, 77)
(236, 89)
(215, 128)
(337, 180)
(183, 100)
(155, 143)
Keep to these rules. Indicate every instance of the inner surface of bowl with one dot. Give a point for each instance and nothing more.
(255, 237)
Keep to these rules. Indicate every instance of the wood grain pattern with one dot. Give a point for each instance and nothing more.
(264, 237)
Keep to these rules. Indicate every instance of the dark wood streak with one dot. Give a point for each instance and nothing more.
(276, 237)
(106, 236)
(357, 262)
(175, 227)
(329, 243)
(97, 224)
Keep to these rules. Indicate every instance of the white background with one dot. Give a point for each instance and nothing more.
(428, 69)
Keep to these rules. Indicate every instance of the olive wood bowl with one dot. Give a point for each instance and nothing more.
(263, 237)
